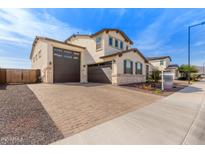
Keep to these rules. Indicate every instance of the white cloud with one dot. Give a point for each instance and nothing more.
(22, 25)
(19, 27)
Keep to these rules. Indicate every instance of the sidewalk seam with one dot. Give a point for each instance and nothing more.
(195, 119)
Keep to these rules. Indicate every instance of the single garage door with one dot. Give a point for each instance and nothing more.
(66, 65)
(101, 73)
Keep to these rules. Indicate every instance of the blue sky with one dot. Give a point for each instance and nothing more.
(155, 32)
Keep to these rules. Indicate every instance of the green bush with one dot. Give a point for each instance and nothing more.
(155, 76)
(182, 78)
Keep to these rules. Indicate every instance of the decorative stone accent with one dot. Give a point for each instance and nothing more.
(121, 79)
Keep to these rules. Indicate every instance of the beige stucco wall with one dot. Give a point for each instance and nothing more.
(111, 49)
(92, 55)
(156, 63)
(41, 62)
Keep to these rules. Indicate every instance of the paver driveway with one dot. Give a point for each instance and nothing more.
(76, 107)
(176, 119)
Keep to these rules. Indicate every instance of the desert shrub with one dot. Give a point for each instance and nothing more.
(184, 70)
(157, 91)
(195, 77)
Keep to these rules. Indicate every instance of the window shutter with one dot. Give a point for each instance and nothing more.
(124, 66)
(131, 67)
(135, 68)
(141, 68)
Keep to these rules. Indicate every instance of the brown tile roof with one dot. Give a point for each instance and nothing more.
(53, 40)
(101, 31)
(125, 51)
(158, 58)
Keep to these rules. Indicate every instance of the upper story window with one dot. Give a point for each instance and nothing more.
(128, 67)
(99, 42)
(116, 43)
(161, 62)
(110, 41)
(138, 68)
(121, 45)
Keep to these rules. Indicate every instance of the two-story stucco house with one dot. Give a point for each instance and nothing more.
(106, 56)
(164, 63)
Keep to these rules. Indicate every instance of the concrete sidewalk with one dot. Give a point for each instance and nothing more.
(176, 119)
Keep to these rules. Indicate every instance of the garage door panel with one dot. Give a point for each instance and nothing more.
(100, 73)
(66, 69)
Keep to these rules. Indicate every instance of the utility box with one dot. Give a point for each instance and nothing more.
(168, 80)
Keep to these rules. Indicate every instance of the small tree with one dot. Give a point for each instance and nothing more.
(155, 76)
(184, 70)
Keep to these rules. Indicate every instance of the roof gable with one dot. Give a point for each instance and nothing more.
(101, 31)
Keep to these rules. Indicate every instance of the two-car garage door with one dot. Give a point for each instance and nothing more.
(66, 66)
(101, 73)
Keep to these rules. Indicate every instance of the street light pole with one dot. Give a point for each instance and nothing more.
(189, 38)
(189, 71)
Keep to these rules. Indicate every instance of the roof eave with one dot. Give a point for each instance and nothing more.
(125, 51)
(52, 40)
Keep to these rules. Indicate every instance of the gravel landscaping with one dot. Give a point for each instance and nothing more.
(23, 120)
(155, 88)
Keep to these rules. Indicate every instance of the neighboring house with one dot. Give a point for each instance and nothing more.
(160, 63)
(106, 57)
(164, 63)
(174, 68)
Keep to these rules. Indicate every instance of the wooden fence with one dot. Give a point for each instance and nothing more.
(19, 76)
